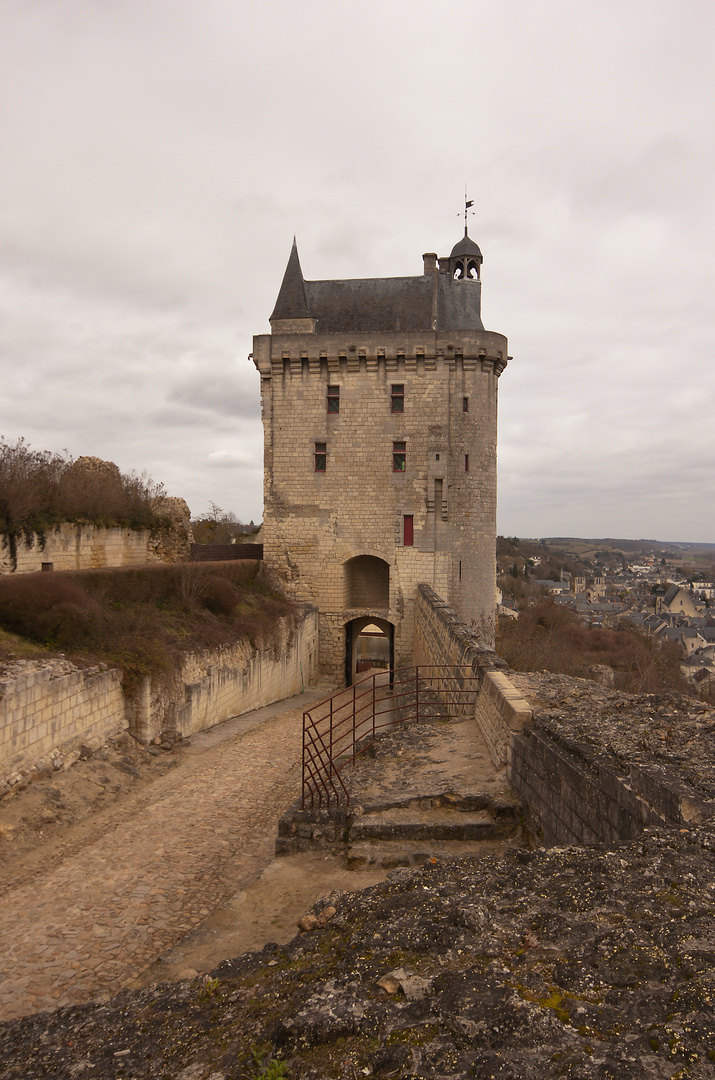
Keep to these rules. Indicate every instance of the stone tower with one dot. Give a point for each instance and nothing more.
(379, 400)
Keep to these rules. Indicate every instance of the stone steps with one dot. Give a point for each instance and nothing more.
(386, 854)
(409, 832)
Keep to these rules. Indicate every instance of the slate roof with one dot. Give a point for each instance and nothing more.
(364, 305)
(292, 302)
(465, 246)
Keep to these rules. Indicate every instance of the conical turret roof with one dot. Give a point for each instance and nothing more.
(292, 302)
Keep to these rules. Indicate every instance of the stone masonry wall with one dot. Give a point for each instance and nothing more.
(81, 547)
(226, 682)
(317, 520)
(442, 638)
(603, 765)
(52, 706)
(599, 767)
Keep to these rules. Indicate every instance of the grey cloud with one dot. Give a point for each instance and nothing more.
(151, 186)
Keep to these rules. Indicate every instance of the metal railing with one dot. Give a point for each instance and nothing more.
(340, 728)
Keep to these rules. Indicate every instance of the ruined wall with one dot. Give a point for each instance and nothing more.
(50, 707)
(82, 547)
(226, 682)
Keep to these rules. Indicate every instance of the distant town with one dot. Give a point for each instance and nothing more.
(666, 590)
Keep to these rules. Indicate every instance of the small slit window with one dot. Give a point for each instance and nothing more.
(321, 456)
(408, 531)
(399, 456)
(465, 404)
(397, 397)
(333, 399)
(466, 462)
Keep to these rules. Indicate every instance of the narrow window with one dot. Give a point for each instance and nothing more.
(397, 397)
(408, 530)
(465, 404)
(399, 456)
(466, 462)
(333, 399)
(321, 456)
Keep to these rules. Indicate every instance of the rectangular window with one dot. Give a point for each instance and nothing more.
(397, 397)
(465, 404)
(408, 530)
(399, 456)
(321, 456)
(333, 399)
(466, 462)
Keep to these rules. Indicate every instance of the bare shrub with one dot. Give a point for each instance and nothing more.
(549, 637)
(145, 619)
(192, 579)
(219, 596)
(50, 609)
(29, 481)
(39, 489)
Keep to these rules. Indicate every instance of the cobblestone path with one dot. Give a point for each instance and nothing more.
(95, 921)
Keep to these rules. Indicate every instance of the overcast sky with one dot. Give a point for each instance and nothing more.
(159, 155)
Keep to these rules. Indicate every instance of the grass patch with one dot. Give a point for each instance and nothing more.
(14, 647)
(143, 620)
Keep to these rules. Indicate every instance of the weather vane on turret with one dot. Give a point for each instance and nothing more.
(467, 204)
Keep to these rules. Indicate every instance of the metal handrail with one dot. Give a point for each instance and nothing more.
(339, 728)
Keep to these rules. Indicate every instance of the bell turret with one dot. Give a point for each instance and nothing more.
(465, 260)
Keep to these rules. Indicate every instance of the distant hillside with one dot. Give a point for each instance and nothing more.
(652, 547)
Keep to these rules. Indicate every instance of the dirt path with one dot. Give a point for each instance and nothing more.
(91, 911)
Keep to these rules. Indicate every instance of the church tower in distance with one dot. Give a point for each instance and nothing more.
(379, 400)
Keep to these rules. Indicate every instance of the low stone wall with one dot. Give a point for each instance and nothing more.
(52, 707)
(604, 765)
(48, 709)
(501, 712)
(601, 766)
(576, 799)
(82, 547)
(441, 637)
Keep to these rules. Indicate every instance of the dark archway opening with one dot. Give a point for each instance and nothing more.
(369, 648)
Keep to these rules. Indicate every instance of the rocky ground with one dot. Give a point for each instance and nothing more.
(575, 963)
(670, 730)
(581, 963)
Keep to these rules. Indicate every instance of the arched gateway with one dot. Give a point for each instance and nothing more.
(369, 647)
